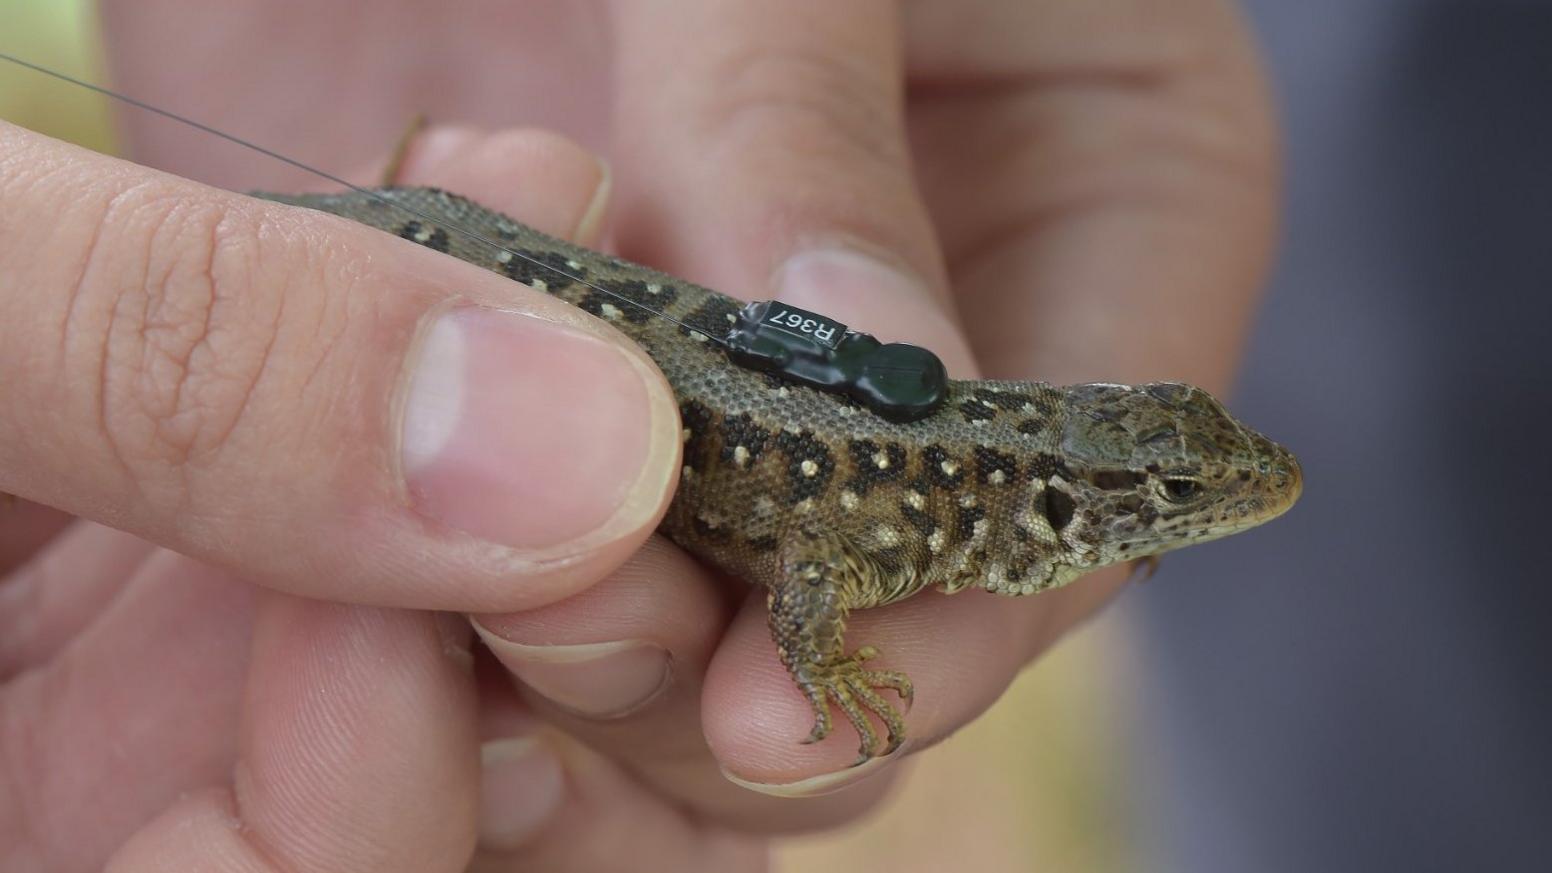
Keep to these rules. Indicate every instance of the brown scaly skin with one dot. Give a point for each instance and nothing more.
(1015, 487)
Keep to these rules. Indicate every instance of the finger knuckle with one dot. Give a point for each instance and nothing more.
(805, 99)
(186, 337)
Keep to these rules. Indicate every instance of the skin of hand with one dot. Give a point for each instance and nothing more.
(257, 670)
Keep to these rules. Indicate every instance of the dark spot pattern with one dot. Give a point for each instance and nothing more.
(1033, 426)
(740, 430)
(975, 410)
(1044, 466)
(548, 267)
(699, 421)
(636, 304)
(918, 519)
(437, 241)
(863, 459)
(1009, 400)
(935, 458)
(593, 302)
(721, 533)
(800, 447)
(711, 317)
(765, 543)
(989, 461)
(964, 524)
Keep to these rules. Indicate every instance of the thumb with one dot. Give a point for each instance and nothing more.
(320, 407)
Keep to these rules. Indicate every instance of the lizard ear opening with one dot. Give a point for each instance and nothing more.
(1057, 507)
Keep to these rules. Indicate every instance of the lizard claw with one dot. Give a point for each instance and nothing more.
(852, 687)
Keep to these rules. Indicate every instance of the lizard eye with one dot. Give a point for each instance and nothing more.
(1180, 490)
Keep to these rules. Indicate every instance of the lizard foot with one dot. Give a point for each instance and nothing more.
(852, 686)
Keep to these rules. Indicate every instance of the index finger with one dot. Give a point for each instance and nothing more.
(785, 172)
(769, 160)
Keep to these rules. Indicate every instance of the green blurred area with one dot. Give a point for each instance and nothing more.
(61, 35)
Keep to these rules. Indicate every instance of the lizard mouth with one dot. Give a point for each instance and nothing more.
(1273, 494)
(1264, 497)
(1284, 485)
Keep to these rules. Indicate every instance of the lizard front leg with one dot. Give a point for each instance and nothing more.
(823, 578)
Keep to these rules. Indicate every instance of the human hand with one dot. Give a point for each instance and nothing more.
(1134, 227)
(241, 389)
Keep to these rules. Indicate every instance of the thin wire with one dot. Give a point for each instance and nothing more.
(467, 234)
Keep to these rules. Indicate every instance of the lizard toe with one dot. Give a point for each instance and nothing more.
(854, 690)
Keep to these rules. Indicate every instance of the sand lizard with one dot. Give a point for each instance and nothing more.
(1014, 487)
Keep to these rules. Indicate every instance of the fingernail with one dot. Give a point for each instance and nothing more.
(596, 680)
(532, 434)
(836, 281)
(824, 783)
(522, 783)
(590, 225)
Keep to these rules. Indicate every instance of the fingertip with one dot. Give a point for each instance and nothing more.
(563, 190)
(872, 293)
(821, 784)
(605, 657)
(754, 716)
(354, 754)
(522, 784)
(358, 728)
(960, 652)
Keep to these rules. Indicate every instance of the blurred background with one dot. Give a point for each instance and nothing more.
(1363, 685)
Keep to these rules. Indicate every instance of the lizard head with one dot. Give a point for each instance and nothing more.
(1155, 467)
